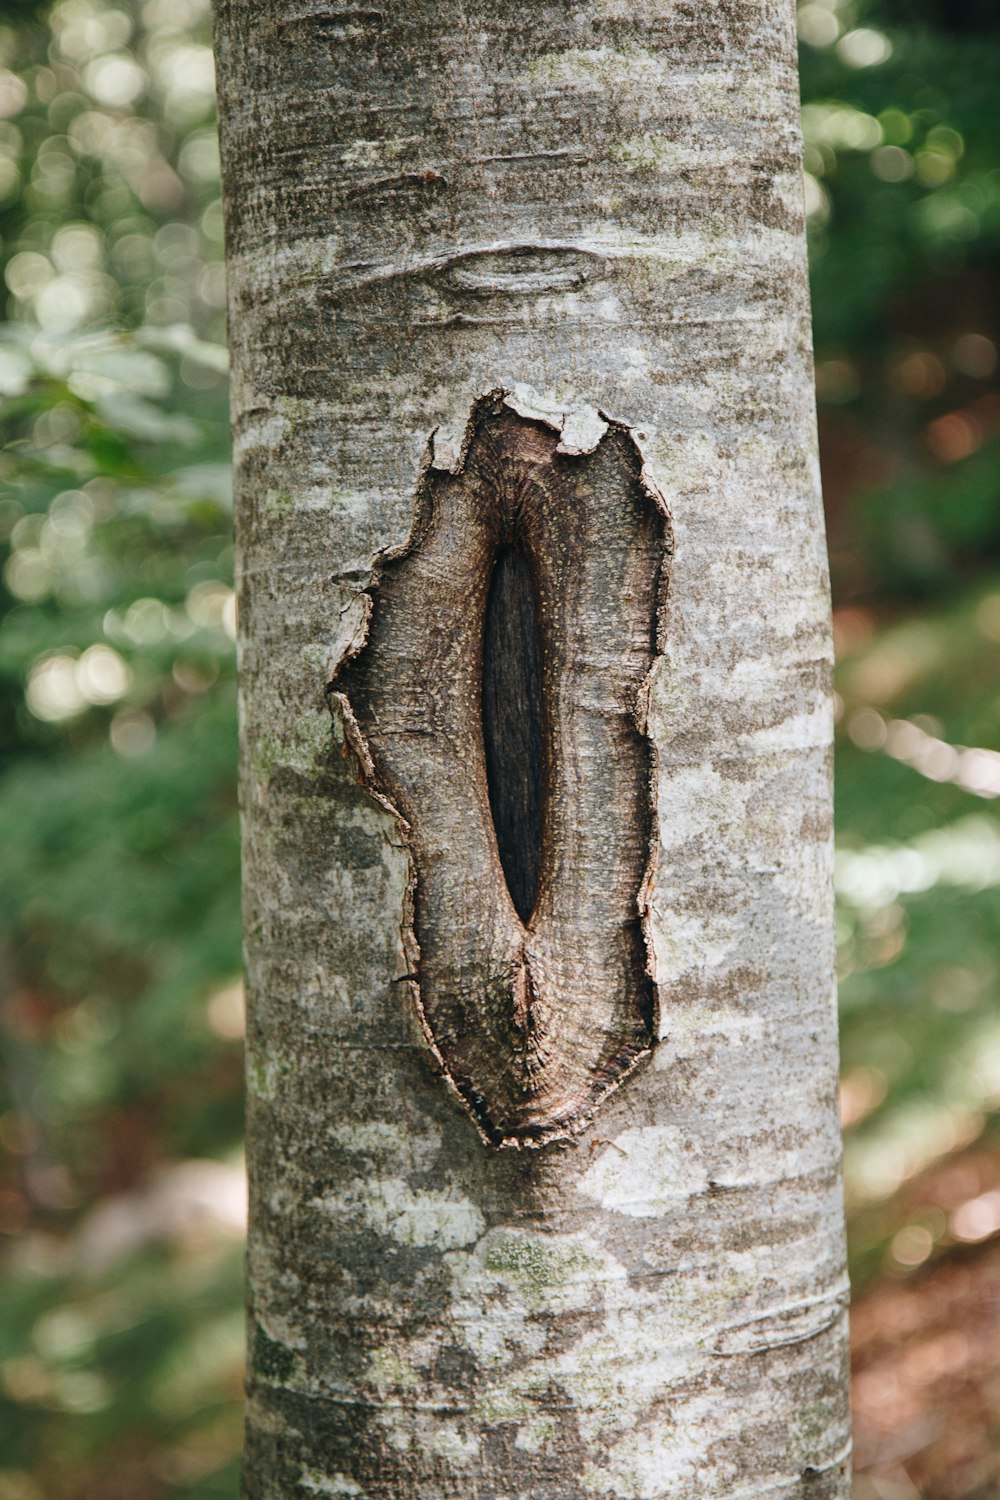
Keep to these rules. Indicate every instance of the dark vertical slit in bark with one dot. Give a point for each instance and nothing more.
(512, 725)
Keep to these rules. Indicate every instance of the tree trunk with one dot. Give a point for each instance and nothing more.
(542, 1050)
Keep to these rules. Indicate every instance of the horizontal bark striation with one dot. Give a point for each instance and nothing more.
(536, 1014)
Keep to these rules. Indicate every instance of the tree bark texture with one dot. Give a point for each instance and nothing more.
(542, 1050)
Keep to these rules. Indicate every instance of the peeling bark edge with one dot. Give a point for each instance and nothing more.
(581, 430)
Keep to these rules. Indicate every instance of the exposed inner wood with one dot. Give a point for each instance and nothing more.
(498, 696)
(512, 724)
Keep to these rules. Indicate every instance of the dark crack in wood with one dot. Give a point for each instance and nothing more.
(512, 724)
(497, 708)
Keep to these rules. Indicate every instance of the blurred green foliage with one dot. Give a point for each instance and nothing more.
(120, 1007)
(120, 1114)
(901, 122)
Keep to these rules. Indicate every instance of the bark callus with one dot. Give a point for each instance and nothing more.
(497, 701)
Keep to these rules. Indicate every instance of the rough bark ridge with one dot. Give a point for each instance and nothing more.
(534, 1015)
(601, 200)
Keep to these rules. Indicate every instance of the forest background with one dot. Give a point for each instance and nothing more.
(121, 1187)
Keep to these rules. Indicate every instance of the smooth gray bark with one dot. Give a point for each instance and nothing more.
(595, 207)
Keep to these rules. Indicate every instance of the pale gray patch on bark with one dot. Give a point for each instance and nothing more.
(597, 206)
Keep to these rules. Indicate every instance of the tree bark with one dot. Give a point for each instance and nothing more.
(545, 1185)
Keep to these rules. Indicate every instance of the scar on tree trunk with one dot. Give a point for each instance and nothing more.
(497, 707)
